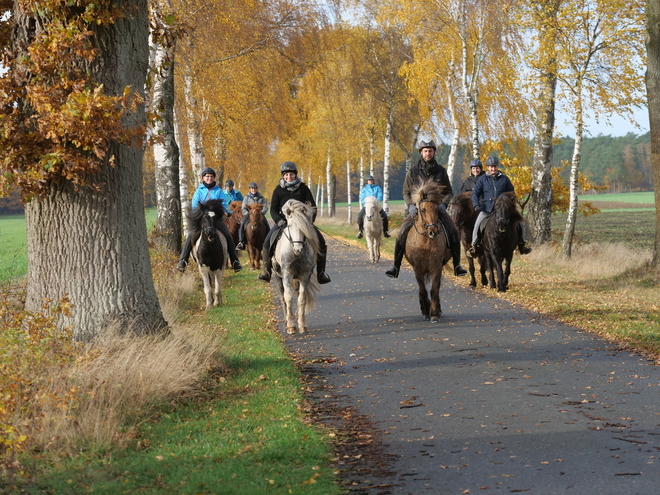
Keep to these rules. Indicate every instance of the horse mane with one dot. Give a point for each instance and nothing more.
(373, 200)
(508, 202)
(299, 215)
(196, 215)
(427, 190)
(462, 211)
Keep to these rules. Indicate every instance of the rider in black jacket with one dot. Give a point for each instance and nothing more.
(290, 187)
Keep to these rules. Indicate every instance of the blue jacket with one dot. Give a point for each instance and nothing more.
(235, 195)
(203, 194)
(370, 190)
(487, 189)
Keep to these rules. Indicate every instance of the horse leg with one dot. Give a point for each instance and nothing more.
(302, 306)
(492, 264)
(501, 287)
(205, 273)
(287, 303)
(483, 265)
(424, 301)
(436, 309)
(377, 249)
(473, 280)
(217, 276)
(507, 272)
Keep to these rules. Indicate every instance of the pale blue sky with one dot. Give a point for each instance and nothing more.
(620, 126)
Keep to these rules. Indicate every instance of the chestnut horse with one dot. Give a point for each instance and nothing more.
(500, 238)
(427, 249)
(464, 215)
(255, 233)
(233, 221)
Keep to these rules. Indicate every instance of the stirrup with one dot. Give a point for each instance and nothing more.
(237, 266)
(265, 276)
(392, 272)
(459, 271)
(240, 246)
(472, 252)
(323, 278)
(386, 234)
(524, 249)
(360, 235)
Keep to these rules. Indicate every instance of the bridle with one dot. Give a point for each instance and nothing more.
(426, 226)
(291, 241)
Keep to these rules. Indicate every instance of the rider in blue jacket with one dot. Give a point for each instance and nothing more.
(208, 189)
(487, 189)
(371, 189)
(231, 194)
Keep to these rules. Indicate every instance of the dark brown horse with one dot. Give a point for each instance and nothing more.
(426, 248)
(233, 221)
(255, 233)
(500, 238)
(464, 215)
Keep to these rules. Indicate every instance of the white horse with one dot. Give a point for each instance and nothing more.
(373, 227)
(294, 261)
(210, 249)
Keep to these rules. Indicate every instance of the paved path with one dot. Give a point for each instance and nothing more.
(493, 399)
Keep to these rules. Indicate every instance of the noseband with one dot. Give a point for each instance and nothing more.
(427, 225)
(291, 241)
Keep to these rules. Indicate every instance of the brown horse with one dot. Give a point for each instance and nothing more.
(464, 215)
(500, 238)
(255, 233)
(233, 221)
(426, 247)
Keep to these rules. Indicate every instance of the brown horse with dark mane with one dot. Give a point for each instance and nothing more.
(426, 248)
(464, 215)
(233, 221)
(255, 233)
(500, 238)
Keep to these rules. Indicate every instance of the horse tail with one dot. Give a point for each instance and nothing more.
(312, 292)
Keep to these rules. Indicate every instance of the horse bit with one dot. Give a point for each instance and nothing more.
(426, 225)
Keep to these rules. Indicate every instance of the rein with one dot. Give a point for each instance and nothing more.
(291, 241)
(425, 232)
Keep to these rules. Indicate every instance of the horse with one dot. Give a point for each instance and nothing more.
(500, 238)
(255, 233)
(234, 219)
(209, 247)
(464, 215)
(294, 261)
(373, 227)
(427, 249)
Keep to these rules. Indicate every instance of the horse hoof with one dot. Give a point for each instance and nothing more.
(426, 318)
(435, 319)
(290, 330)
(302, 330)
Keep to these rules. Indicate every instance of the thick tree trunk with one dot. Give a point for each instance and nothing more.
(540, 209)
(569, 232)
(195, 141)
(653, 95)
(330, 187)
(92, 246)
(184, 193)
(166, 151)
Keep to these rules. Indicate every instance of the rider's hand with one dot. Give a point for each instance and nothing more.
(412, 210)
(281, 223)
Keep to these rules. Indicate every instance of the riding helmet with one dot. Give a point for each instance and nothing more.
(492, 160)
(208, 170)
(229, 183)
(289, 167)
(370, 177)
(253, 184)
(426, 144)
(476, 163)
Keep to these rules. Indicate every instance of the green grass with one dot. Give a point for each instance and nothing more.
(13, 247)
(244, 434)
(646, 197)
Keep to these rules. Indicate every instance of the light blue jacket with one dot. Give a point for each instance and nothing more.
(370, 190)
(203, 194)
(235, 195)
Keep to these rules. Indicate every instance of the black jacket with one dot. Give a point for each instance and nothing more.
(281, 195)
(424, 171)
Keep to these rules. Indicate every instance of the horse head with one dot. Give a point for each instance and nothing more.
(299, 230)
(462, 211)
(427, 196)
(256, 217)
(506, 211)
(371, 207)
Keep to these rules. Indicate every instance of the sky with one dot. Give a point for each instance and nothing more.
(620, 126)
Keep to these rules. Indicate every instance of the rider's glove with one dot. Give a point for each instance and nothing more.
(281, 223)
(412, 210)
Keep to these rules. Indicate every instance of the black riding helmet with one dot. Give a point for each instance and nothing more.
(370, 177)
(426, 144)
(229, 183)
(288, 167)
(493, 160)
(208, 170)
(476, 163)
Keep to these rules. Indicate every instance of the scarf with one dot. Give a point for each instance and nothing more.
(290, 186)
(209, 186)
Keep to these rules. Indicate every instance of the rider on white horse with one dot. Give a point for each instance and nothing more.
(371, 189)
(290, 187)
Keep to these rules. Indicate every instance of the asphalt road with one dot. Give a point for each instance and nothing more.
(492, 399)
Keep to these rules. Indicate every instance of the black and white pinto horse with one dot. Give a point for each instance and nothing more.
(294, 261)
(209, 247)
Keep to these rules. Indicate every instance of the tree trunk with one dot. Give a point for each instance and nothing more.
(166, 151)
(540, 208)
(195, 142)
(386, 164)
(569, 231)
(653, 95)
(349, 213)
(184, 193)
(330, 187)
(92, 246)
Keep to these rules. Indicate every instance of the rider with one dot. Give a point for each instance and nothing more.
(290, 187)
(476, 171)
(371, 189)
(487, 189)
(208, 189)
(231, 194)
(427, 168)
(253, 197)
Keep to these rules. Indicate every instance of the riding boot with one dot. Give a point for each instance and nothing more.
(268, 263)
(321, 276)
(241, 235)
(386, 221)
(360, 222)
(399, 251)
(455, 247)
(522, 245)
